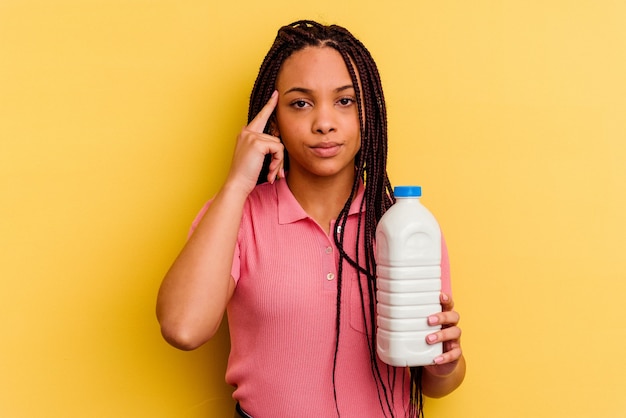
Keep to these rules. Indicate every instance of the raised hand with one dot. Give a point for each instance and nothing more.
(252, 147)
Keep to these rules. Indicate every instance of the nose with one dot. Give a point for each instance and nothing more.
(324, 122)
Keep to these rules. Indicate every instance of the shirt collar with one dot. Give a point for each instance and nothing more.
(289, 210)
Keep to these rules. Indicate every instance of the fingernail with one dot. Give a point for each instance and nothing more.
(433, 320)
(282, 173)
(445, 297)
(438, 360)
(432, 338)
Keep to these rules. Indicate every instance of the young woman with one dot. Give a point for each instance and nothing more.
(286, 245)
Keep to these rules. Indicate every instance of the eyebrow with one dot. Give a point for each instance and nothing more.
(309, 91)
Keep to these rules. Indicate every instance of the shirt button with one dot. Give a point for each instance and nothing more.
(339, 229)
(329, 250)
(330, 276)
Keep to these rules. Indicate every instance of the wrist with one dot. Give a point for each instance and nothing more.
(442, 370)
(233, 189)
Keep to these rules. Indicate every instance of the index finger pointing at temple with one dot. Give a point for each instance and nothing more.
(260, 120)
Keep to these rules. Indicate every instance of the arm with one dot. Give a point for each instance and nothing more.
(196, 289)
(198, 286)
(448, 371)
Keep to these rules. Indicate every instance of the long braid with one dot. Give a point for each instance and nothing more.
(366, 171)
(370, 170)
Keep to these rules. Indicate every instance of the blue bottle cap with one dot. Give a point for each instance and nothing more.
(407, 191)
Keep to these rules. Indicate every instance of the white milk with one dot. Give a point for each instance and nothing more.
(408, 257)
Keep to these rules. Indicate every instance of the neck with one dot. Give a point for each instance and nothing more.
(322, 198)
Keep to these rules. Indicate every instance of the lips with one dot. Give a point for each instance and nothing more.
(326, 149)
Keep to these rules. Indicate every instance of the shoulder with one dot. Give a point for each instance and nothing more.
(263, 194)
(261, 202)
(257, 200)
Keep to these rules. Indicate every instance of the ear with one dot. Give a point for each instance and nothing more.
(273, 126)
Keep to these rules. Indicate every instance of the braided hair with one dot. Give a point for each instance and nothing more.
(370, 169)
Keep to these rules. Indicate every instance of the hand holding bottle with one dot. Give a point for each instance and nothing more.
(449, 335)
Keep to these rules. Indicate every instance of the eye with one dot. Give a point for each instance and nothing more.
(299, 104)
(346, 101)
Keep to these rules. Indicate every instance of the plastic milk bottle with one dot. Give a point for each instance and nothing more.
(408, 257)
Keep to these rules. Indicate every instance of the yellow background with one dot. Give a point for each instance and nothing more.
(117, 121)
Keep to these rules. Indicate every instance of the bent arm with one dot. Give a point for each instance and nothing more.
(198, 286)
(195, 291)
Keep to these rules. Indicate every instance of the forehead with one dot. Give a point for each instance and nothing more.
(314, 66)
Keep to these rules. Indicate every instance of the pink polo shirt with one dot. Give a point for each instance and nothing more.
(283, 312)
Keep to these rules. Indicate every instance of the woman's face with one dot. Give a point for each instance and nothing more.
(317, 116)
